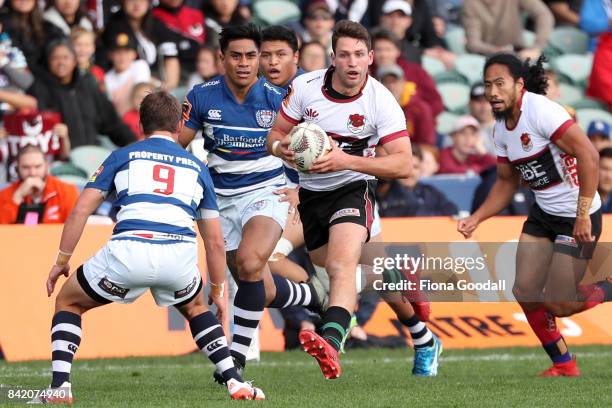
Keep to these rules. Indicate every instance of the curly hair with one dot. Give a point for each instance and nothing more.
(534, 75)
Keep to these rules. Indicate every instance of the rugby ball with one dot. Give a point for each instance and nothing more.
(308, 143)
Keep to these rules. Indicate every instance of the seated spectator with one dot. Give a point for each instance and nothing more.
(605, 180)
(467, 153)
(85, 47)
(419, 119)
(565, 12)
(15, 77)
(126, 72)
(600, 81)
(312, 56)
(23, 21)
(187, 29)
(410, 198)
(397, 17)
(206, 67)
(481, 110)
(155, 43)
(387, 52)
(429, 163)
(319, 23)
(77, 97)
(599, 134)
(493, 26)
(62, 17)
(30, 127)
(220, 14)
(422, 33)
(37, 198)
(132, 116)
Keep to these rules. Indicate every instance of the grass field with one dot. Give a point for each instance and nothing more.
(372, 378)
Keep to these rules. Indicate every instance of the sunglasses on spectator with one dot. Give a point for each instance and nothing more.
(319, 16)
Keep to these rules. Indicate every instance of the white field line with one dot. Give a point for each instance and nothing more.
(8, 371)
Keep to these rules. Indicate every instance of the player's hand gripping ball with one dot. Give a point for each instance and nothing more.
(308, 142)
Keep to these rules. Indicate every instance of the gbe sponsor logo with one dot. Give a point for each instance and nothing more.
(214, 114)
(214, 345)
(345, 212)
(185, 291)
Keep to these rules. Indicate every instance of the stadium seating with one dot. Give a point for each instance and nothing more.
(568, 40)
(576, 68)
(179, 92)
(455, 40)
(433, 66)
(458, 188)
(586, 116)
(455, 97)
(88, 158)
(61, 169)
(471, 67)
(451, 76)
(445, 122)
(589, 103)
(569, 94)
(73, 179)
(273, 12)
(529, 37)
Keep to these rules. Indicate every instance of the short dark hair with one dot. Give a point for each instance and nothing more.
(386, 35)
(350, 29)
(159, 111)
(57, 43)
(280, 33)
(417, 152)
(605, 153)
(246, 31)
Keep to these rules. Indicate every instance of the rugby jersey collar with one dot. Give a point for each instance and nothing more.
(248, 96)
(329, 72)
(162, 137)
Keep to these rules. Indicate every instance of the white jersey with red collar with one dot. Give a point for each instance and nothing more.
(530, 146)
(357, 124)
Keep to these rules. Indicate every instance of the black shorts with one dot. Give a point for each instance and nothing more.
(559, 231)
(319, 210)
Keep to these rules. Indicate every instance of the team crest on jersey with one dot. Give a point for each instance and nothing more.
(311, 114)
(265, 118)
(96, 174)
(356, 123)
(526, 142)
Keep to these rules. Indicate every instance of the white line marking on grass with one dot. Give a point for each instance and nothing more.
(20, 372)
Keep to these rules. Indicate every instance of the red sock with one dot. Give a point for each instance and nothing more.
(543, 325)
(592, 295)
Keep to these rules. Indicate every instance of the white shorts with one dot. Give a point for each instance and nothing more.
(236, 211)
(124, 269)
(376, 228)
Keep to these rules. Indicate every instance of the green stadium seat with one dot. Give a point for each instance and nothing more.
(470, 66)
(455, 40)
(66, 169)
(445, 122)
(106, 142)
(455, 97)
(589, 103)
(586, 116)
(76, 180)
(569, 40)
(273, 12)
(432, 66)
(451, 76)
(529, 37)
(569, 94)
(577, 68)
(179, 92)
(88, 158)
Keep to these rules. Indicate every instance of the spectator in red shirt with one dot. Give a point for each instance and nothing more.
(467, 153)
(419, 119)
(132, 116)
(84, 43)
(387, 52)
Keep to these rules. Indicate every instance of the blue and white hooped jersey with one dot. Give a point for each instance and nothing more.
(161, 188)
(235, 134)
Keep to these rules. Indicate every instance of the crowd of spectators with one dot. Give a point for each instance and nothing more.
(91, 63)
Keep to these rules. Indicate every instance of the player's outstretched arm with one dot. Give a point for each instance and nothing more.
(89, 200)
(575, 143)
(498, 198)
(278, 139)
